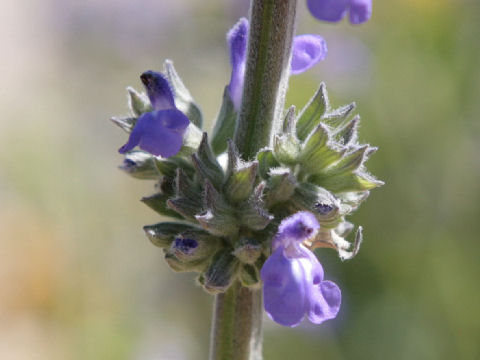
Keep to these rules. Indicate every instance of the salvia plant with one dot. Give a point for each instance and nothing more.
(250, 201)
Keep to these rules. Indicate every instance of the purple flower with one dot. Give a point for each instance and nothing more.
(237, 42)
(335, 10)
(307, 51)
(292, 276)
(160, 132)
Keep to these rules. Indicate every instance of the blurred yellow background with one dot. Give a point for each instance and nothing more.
(79, 280)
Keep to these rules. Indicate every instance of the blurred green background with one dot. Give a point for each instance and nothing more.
(79, 280)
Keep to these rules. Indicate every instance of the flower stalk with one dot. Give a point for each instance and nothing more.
(237, 319)
(237, 324)
(272, 24)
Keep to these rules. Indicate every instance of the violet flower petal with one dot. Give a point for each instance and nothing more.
(328, 10)
(307, 51)
(134, 138)
(237, 41)
(158, 90)
(325, 300)
(158, 132)
(284, 291)
(360, 11)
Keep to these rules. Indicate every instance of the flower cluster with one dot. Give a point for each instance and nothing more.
(292, 276)
(254, 222)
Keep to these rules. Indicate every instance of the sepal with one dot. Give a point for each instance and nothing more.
(138, 102)
(193, 246)
(225, 124)
(249, 275)
(240, 176)
(183, 99)
(162, 234)
(320, 202)
(266, 161)
(254, 215)
(219, 217)
(331, 238)
(359, 181)
(347, 135)
(169, 166)
(158, 203)
(280, 186)
(289, 122)
(248, 250)
(125, 123)
(286, 148)
(140, 165)
(188, 200)
(338, 116)
(318, 152)
(206, 164)
(191, 140)
(221, 272)
(310, 115)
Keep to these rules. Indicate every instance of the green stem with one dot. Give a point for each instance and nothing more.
(272, 24)
(237, 325)
(237, 319)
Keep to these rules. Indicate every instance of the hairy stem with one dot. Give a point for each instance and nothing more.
(237, 325)
(237, 319)
(272, 24)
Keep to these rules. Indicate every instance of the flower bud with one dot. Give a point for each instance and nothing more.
(140, 165)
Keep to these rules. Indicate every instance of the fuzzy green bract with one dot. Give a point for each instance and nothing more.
(225, 213)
